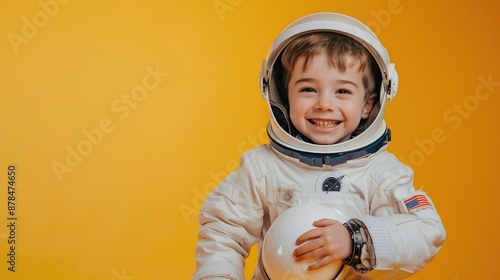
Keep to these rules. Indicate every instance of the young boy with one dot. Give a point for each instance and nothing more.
(326, 80)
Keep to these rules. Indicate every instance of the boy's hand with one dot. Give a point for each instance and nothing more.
(328, 242)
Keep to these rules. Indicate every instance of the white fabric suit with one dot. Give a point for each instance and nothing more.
(374, 188)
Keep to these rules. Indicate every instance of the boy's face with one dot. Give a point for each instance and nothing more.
(326, 105)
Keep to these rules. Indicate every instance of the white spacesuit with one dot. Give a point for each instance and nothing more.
(403, 230)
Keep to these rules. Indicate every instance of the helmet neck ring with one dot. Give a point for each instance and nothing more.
(318, 160)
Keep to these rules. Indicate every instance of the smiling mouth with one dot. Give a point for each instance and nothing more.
(324, 123)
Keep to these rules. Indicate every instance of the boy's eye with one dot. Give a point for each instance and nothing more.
(307, 90)
(343, 91)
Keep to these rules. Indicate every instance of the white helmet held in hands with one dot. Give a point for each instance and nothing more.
(279, 243)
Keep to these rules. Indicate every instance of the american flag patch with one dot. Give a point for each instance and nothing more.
(417, 202)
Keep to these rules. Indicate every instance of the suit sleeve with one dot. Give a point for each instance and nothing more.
(404, 225)
(230, 223)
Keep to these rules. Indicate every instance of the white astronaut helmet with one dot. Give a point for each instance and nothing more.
(374, 134)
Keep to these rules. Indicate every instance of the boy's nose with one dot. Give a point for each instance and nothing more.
(324, 103)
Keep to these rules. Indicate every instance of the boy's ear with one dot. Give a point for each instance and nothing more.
(369, 102)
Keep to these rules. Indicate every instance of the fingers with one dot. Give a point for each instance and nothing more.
(325, 222)
(317, 248)
(309, 250)
(323, 262)
(308, 235)
(320, 254)
(316, 232)
(322, 243)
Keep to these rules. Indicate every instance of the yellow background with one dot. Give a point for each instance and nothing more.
(127, 208)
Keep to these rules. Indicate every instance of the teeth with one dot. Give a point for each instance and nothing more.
(325, 124)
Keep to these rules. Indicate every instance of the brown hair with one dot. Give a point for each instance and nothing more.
(337, 47)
